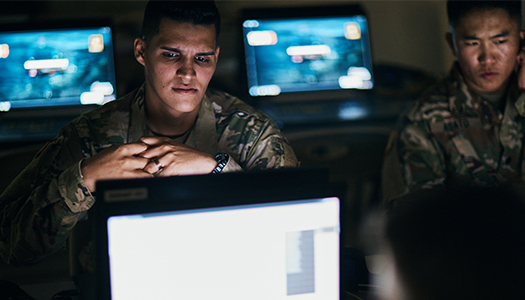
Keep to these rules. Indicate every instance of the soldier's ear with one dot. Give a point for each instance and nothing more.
(139, 50)
(449, 37)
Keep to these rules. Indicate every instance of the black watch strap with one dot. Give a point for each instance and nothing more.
(222, 161)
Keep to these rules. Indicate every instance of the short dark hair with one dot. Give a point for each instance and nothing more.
(196, 12)
(457, 9)
(460, 243)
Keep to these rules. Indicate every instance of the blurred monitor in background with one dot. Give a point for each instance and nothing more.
(51, 73)
(294, 53)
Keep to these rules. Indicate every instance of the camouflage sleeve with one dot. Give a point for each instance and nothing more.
(413, 160)
(42, 205)
(250, 137)
(232, 166)
(256, 143)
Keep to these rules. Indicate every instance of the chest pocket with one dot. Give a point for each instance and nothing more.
(472, 150)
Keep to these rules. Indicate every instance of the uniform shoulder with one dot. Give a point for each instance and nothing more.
(435, 100)
(110, 117)
(122, 104)
(227, 104)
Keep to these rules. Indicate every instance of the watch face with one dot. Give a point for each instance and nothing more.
(221, 157)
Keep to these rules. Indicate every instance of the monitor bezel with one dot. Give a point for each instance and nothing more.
(187, 193)
(298, 12)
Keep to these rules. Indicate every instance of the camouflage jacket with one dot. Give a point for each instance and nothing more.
(42, 205)
(450, 136)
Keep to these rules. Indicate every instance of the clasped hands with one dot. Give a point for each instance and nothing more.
(148, 157)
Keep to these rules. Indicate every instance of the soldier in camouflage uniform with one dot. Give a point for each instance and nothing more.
(171, 125)
(469, 128)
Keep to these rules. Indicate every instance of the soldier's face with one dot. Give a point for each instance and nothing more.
(179, 63)
(486, 44)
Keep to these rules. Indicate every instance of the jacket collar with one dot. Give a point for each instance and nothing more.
(202, 136)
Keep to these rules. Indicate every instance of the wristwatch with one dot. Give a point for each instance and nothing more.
(222, 161)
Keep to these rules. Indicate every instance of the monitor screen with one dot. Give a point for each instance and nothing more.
(304, 50)
(287, 250)
(56, 67)
(247, 235)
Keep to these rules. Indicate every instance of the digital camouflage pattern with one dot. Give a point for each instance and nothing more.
(42, 205)
(450, 136)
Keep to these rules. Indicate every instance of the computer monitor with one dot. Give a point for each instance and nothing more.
(53, 71)
(302, 53)
(254, 235)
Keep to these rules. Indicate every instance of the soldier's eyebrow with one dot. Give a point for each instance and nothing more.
(499, 35)
(470, 37)
(173, 49)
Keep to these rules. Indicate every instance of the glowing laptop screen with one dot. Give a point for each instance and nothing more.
(56, 67)
(282, 250)
(307, 54)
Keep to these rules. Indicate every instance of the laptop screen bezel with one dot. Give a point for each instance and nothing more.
(170, 194)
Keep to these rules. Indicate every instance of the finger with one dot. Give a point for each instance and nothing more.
(129, 157)
(154, 151)
(153, 140)
(163, 148)
(138, 173)
(138, 163)
(158, 164)
(154, 166)
(132, 148)
(126, 158)
(112, 164)
(154, 146)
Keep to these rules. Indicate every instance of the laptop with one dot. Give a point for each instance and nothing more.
(311, 63)
(52, 72)
(249, 235)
